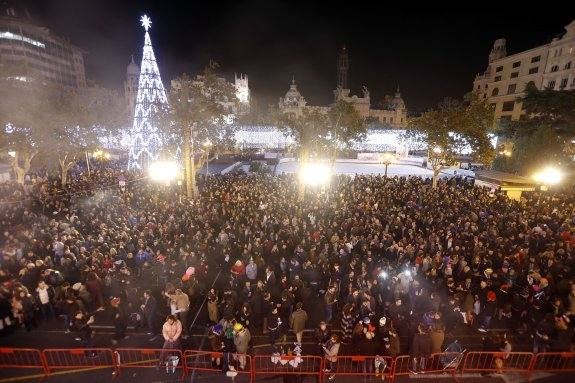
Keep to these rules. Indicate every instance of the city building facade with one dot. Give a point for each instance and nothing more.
(392, 115)
(549, 66)
(39, 52)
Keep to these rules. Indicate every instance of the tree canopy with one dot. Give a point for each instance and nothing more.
(453, 129)
(545, 133)
(199, 111)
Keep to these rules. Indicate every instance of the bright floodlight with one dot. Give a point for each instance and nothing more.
(163, 171)
(548, 176)
(315, 174)
(383, 275)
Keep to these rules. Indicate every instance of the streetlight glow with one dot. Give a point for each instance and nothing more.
(549, 175)
(163, 171)
(315, 174)
(437, 150)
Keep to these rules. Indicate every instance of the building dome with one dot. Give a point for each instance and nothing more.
(293, 97)
(133, 69)
(397, 102)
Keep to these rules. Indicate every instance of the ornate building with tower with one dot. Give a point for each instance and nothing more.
(393, 114)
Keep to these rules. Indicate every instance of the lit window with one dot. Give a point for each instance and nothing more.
(14, 36)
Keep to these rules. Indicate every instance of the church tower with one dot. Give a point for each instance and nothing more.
(342, 68)
(242, 88)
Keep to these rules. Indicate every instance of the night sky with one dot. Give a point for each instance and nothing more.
(431, 53)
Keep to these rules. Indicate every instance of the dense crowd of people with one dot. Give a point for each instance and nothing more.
(395, 264)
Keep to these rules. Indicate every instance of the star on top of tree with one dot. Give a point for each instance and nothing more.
(146, 22)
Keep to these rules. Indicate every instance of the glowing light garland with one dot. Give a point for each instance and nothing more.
(145, 138)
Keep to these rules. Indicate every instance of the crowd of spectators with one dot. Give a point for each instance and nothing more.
(395, 264)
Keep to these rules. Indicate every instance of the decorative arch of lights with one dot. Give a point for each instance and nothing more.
(145, 139)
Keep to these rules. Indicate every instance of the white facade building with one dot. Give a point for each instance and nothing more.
(547, 66)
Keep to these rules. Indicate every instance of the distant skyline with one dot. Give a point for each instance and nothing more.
(431, 53)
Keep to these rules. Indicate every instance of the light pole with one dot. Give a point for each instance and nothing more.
(548, 176)
(207, 145)
(386, 159)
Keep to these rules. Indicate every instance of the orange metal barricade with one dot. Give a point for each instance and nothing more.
(81, 358)
(553, 362)
(360, 366)
(22, 358)
(169, 359)
(401, 366)
(500, 362)
(210, 362)
(266, 365)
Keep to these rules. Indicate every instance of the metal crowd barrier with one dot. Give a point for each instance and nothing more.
(78, 359)
(553, 362)
(497, 362)
(168, 360)
(272, 365)
(260, 367)
(360, 366)
(208, 362)
(439, 363)
(22, 358)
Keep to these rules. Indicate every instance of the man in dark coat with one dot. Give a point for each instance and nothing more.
(150, 310)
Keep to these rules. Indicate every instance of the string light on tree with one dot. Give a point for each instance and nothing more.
(146, 142)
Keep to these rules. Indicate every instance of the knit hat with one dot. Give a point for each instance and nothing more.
(218, 329)
(238, 327)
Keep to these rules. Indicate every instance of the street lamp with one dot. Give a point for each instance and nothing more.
(163, 171)
(207, 145)
(548, 176)
(386, 159)
(315, 174)
(437, 150)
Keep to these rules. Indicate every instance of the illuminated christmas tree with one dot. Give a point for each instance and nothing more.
(146, 141)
